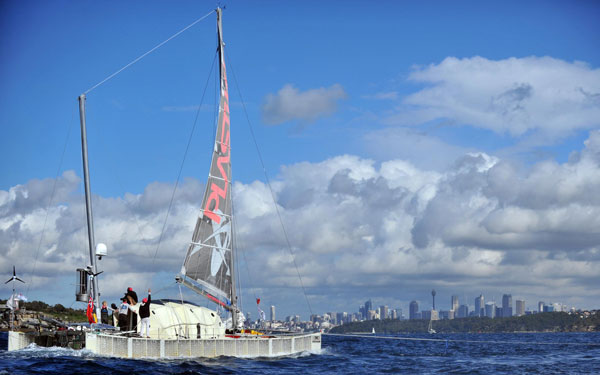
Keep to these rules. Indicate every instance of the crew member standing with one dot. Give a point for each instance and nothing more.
(104, 313)
(123, 321)
(132, 297)
(144, 312)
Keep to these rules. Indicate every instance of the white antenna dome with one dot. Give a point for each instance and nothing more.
(101, 250)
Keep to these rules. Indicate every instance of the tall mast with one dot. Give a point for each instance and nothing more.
(88, 203)
(222, 72)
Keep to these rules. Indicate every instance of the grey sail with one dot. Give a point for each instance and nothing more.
(209, 259)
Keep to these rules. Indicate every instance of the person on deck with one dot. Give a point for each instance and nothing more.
(123, 310)
(144, 312)
(132, 298)
(132, 294)
(115, 315)
(104, 313)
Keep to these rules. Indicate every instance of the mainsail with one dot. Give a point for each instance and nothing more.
(209, 259)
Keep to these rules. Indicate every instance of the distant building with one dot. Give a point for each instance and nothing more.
(399, 314)
(368, 306)
(371, 315)
(446, 314)
(413, 310)
(454, 303)
(383, 312)
(541, 306)
(272, 313)
(507, 308)
(463, 311)
(520, 307)
(430, 315)
(479, 306)
(490, 309)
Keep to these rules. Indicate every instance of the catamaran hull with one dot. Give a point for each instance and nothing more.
(244, 346)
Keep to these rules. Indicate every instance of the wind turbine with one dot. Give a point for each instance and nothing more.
(12, 309)
(14, 277)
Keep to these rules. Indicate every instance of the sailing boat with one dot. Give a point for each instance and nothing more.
(430, 328)
(178, 328)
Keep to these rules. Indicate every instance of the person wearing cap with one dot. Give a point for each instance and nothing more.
(131, 293)
(144, 312)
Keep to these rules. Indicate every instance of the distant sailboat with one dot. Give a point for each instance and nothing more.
(373, 331)
(430, 328)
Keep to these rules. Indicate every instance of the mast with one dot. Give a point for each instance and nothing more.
(224, 84)
(88, 203)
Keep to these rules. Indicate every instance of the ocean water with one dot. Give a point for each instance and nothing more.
(526, 353)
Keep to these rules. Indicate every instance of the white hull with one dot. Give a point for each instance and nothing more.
(244, 346)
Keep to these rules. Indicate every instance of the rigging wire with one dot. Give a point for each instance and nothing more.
(287, 240)
(60, 163)
(147, 53)
(183, 160)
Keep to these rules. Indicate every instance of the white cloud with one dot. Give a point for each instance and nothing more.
(291, 104)
(512, 96)
(358, 229)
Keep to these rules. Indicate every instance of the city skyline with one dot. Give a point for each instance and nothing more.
(409, 146)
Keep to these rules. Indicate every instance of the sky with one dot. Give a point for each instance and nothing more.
(409, 146)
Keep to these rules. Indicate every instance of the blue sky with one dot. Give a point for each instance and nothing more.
(382, 73)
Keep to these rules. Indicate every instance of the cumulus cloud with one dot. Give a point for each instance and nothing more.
(358, 229)
(291, 104)
(512, 96)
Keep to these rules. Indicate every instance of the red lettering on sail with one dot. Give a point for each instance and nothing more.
(216, 192)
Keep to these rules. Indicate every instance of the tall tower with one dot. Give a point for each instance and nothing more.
(272, 313)
(433, 295)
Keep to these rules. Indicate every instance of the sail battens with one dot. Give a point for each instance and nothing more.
(219, 178)
(222, 215)
(214, 247)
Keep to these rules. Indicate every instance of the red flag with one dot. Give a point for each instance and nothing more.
(258, 301)
(90, 311)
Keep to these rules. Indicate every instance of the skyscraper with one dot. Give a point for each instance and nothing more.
(368, 306)
(479, 306)
(490, 309)
(520, 307)
(272, 313)
(413, 310)
(463, 311)
(507, 308)
(541, 306)
(383, 312)
(454, 303)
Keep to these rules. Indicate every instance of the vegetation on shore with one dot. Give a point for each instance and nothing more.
(58, 311)
(543, 322)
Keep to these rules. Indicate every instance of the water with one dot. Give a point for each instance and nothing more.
(525, 353)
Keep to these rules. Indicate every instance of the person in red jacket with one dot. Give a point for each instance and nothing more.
(144, 312)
